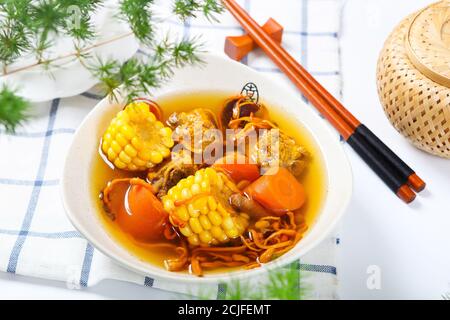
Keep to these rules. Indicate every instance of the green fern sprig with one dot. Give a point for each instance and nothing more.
(286, 283)
(13, 109)
(29, 27)
(185, 9)
(139, 15)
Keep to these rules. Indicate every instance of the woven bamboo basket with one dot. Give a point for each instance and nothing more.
(413, 77)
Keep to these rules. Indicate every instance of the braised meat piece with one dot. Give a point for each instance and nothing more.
(169, 174)
(192, 125)
(275, 148)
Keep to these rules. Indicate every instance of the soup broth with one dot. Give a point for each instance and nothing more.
(313, 179)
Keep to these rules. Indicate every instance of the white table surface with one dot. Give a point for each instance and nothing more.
(407, 244)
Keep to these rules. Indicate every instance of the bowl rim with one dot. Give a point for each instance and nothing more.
(183, 278)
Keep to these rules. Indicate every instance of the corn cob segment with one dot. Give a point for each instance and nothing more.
(198, 207)
(135, 140)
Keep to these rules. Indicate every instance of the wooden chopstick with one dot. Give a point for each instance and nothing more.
(273, 51)
(320, 98)
(405, 171)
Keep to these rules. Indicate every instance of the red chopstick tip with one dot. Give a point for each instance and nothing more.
(416, 183)
(406, 194)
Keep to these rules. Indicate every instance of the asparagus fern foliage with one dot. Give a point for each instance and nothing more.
(29, 27)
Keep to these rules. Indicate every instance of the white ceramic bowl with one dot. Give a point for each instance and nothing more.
(218, 74)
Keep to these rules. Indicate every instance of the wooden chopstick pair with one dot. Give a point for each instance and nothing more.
(397, 175)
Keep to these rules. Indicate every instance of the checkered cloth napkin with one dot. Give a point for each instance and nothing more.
(36, 238)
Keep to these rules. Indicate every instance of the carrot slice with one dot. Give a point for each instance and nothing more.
(238, 168)
(278, 190)
(142, 214)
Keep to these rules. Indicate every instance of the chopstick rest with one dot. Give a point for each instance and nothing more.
(237, 47)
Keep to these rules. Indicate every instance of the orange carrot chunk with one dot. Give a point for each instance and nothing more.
(143, 215)
(278, 190)
(238, 168)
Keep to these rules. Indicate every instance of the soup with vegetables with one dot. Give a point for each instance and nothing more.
(205, 182)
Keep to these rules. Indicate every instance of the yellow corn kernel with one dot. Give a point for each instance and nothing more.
(132, 167)
(168, 204)
(182, 184)
(200, 202)
(105, 146)
(124, 157)
(111, 154)
(182, 214)
(158, 125)
(232, 233)
(156, 157)
(212, 203)
(241, 224)
(119, 164)
(195, 225)
(139, 162)
(205, 186)
(190, 180)
(218, 234)
(186, 194)
(186, 231)
(151, 117)
(127, 131)
(123, 116)
(220, 182)
(107, 137)
(168, 142)
(212, 177)
(206, 237)
(115, 146)
(193, 212)
(228, 223)
(119, 122)
(176, 194)
(222, 210)
(121, 140)
(137, 143)
(198, 178)
(194, 240)
(166, 132)
(204, 221)
(129, 150)
(134, 115)
(145, 154)
(215, 218)
(113, 129)
(195, 189)
(204, 210)
(165, 152)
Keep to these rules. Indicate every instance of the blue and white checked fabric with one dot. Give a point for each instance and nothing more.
(37, 240)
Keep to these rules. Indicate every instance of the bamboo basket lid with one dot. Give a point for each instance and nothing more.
(413, 78)
(427, 42)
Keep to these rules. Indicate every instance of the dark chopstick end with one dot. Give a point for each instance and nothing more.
(406, 194)
(416, 182)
